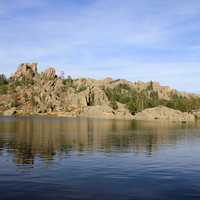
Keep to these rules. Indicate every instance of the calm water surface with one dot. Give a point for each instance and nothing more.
(59, 158)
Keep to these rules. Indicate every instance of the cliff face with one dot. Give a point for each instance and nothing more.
(30, 92)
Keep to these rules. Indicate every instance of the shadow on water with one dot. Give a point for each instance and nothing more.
(27, 137)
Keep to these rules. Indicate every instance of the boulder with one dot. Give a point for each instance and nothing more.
(98, 97)
(196, 113)
(88, 82)
(164, 113)
(104, 112)
(122, 112)
(50, 73)
(108, 79)
(10, 112)
(25, 70)
(5, 102)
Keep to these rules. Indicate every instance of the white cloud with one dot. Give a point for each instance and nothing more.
(144, 39)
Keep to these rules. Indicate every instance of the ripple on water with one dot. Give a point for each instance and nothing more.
(51, 158)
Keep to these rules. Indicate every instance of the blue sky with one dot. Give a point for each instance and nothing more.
(137, 40)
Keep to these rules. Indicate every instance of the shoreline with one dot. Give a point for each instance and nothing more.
(54, 115)
(30, 93)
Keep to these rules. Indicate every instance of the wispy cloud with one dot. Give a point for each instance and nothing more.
(129, 39)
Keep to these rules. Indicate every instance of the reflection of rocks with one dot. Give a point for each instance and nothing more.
(98, 111)
(164, 113)
(46, 137)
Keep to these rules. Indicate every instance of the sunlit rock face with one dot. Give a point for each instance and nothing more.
(49, 73)
(25, 70)
(164, 113)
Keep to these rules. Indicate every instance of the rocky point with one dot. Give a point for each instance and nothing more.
(29, 92)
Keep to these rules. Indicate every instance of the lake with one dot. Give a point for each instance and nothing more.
(66, 158)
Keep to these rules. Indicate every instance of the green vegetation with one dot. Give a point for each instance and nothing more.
(14, 101)
(3, 79)
(68, 82)
(137, 101)
(23, 82)
(3, 84)
(3, 89)
(113, 104)
(183, 104)
(7, 85)
(82, 88)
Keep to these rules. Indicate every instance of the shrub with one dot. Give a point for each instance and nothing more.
(23, 82)
(14, 102)
(68, 82)
(82, 88)
(3, 89)
(113, 104)
(183, 104)
(134, 100)
(3, 79)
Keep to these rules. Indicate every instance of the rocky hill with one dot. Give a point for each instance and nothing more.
(29, 92)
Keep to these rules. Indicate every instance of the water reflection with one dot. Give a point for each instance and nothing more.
(25, 138)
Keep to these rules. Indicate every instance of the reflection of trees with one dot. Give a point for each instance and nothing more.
(45, 137)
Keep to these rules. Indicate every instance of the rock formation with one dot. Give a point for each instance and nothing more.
(165, 114)
(10, 112)
(50, 73)
(30, 92)
(25, 70)
(196, 113)
(106, 112)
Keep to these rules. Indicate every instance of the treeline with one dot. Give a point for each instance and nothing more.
(182, 103)
(137, 101)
